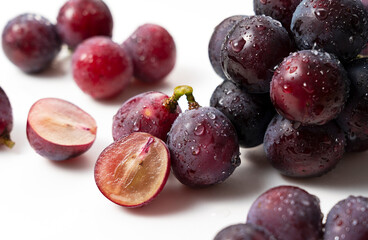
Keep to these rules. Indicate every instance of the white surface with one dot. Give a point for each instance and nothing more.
(41, 199)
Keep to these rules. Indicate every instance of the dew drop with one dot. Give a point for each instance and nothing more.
(321, 13)
(237, 44)
(199, 129)
(195, 150)
(211, 115)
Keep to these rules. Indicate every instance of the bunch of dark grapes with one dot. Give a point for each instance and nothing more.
(300, 58)
(291, 213)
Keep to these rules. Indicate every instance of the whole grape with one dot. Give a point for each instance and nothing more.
(204, 147)
(145, 112)
(303, 151)
(354, 117)
(310, 87)
(339, 27)
(249, 113)
(253, 47)
(281, 10)
(30, 42)
(79, 20)
(289, 213)
(348, 219)
(217, 39)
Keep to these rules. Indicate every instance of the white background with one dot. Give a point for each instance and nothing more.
(41, 199)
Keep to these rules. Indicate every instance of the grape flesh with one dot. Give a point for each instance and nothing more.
(204, 147)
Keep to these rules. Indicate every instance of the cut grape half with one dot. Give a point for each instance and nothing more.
(59, 130)
(132, 171)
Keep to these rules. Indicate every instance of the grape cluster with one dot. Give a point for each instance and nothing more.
(291, 213)
(303, 55)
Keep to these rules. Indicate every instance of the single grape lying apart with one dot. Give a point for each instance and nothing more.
(81, 19)
(30, 42)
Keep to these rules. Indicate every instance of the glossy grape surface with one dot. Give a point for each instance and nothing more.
(204, 147)
(289, 213)
(310, 87)
(30, 42)
(217, 39)
(303, 151)
(144, 113)
(249, 113)
(79, 20)
(339, 27)
(348, 219)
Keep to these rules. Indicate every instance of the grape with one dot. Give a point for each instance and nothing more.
(348, 219)
(31, 42)
(289, 213)
(310, 87)
(249, 113)
(303, 151)
(339, 27)
(146, 112)
(253, 47)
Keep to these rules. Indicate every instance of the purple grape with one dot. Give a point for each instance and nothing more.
(303, 151)
(348, 219)
(310, 87)
(6, 119)
(244, 232)
(203, 146)
(339, 27)
(216, 41)
(30, 42)
(354, 117)
(289, 213)
(145, 112)
(281, 10)
(253, 47)
(249, 113)
(79, 20)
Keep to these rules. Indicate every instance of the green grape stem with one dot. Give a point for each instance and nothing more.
(172, 102)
